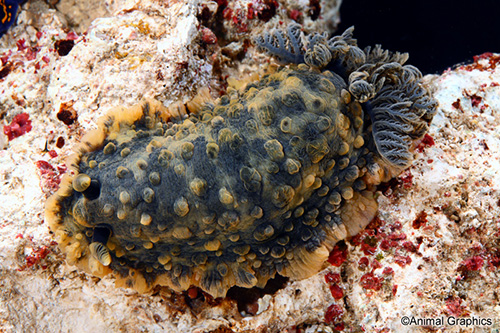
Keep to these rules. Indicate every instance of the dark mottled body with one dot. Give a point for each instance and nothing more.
(264, 181)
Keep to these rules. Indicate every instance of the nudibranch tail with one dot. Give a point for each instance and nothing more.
(400, 109)
(263, 181)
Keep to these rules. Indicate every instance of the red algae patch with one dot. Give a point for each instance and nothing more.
(21, 124)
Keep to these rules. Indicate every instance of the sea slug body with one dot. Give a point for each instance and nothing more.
(8, 11)
(263, 181)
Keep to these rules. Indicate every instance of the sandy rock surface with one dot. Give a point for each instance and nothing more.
(432, 252)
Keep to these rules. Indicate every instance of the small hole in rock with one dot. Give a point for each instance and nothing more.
(247, 299)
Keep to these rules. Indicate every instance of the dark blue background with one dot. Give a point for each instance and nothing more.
(438, 34)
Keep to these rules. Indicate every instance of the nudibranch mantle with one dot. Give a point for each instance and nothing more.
(263, 181)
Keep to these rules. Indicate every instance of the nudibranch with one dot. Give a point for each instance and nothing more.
(8, 11)
(263, 181)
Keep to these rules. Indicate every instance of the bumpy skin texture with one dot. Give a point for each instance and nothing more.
(263, 181)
